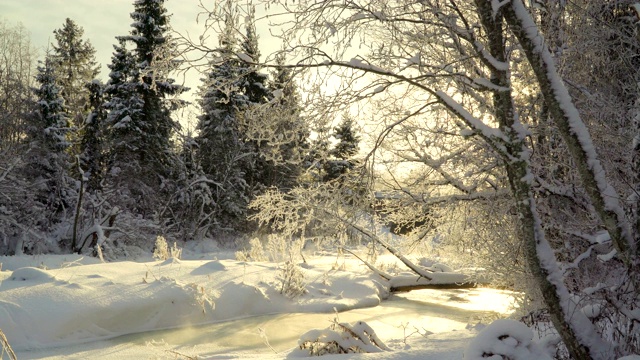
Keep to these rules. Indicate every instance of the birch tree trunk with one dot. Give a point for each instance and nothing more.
(542, 264)
(572, 129)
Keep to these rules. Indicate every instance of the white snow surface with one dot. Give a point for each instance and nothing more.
(67, 306)
(505, 339)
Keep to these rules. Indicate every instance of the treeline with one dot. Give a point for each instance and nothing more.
(86, 163)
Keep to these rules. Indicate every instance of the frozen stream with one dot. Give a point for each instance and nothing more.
(433, 310)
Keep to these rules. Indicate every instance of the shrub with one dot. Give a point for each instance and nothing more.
(292, 281)
(342, 338)
(163, 252)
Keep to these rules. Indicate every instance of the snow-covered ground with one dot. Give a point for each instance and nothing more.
(75, 307)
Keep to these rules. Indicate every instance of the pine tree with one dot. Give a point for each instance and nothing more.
(291, 130)
(253, 85)
(48, 161)
(221, 147)
(155, 58)
(91, 158)
(75, 66)
(341, 156)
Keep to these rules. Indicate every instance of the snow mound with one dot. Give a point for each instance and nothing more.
(31, 274)
(208, 268)
(505, 339)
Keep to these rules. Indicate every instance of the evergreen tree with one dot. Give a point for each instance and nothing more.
(91, 158)
(48, 160)
(253, 85)
(253, 81)
(341, 156)
(125, 123)
(155, 57)
(75, 66)
(221, 148)
(139, 92)
(291, 130)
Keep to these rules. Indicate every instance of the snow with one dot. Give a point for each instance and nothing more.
(244, 57)
(489, 85)
(359, 64)
(505, 339)
(496, 5)
(471, 120)
(497, 64)
(54, 306)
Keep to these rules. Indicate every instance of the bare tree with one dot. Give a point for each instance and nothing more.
(455, 88)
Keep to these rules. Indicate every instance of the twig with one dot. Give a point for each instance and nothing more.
(6, 347)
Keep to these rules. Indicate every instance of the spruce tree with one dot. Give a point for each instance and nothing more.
(91, 158)
(155, 58)
(140, 101)
(291, 130)
(341, 159)
(253, 85)
(221, 147)
(75, 66)
(48, 161)
(126, 127)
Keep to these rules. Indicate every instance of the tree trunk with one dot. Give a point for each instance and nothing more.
(573, 131)
(542, 264)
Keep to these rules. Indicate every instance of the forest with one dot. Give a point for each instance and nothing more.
(499, 135)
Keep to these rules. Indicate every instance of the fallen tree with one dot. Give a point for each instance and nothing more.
(436, 280)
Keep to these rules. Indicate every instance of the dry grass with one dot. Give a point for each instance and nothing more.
(6, 348)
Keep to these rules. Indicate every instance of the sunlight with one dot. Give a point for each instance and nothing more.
(480, 299)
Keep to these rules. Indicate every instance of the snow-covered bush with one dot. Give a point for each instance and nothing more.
(163, 252)
(254, 251)
(505, 340)
(292, 284)
(342, 338)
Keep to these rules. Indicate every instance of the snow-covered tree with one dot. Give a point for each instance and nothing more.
(341, 159)
(222, 150)
(92, 141)
(47, 162)
(288, 141)
(461, 73)
(75, 66)
(20, 214)
(253, 85)
(155, 58)
(17, 67)
(126, 126)
(140, 95)
(192, 206)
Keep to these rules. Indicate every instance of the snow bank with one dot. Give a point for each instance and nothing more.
(74, 304)
(505, 338)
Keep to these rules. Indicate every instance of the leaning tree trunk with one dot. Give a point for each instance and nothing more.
(580, 338)
(572, 129)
